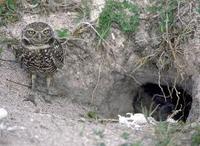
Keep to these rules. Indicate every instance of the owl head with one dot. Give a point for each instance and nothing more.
(37, 34)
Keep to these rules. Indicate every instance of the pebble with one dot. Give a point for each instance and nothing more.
(3, 113)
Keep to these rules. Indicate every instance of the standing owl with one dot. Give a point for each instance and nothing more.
(40, 52)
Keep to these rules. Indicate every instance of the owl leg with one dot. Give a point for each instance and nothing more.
(33, 81)
(48, 80)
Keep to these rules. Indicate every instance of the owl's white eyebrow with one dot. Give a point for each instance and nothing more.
(30, 29)
(46, 29)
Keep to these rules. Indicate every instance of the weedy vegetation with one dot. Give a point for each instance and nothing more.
(92, 115)
(99, 132)
(8, 13)
(165, 15)
(166, 11)
(124, 14)
(86, 8)
(63, 33)
(125, 135)
(132, 144)
(1, 50)
(164, 134)
(196, 137)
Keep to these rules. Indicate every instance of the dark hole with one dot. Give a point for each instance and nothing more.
(163, 102)
(172, 40)
(26, 42)
(51, 41)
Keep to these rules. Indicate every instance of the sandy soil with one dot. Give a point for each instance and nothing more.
(60, 123)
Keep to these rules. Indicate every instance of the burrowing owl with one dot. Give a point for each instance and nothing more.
(40, 52)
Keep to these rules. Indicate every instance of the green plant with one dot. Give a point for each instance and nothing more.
(131, 144)
(63, 33)
(198, 9)
(196, 137)
(86, 8)
(125, 135)
(1, 50)
(164, 133)
(166, 10)
(92, 115)
(125, 14)
(8, 12)
(166, 13)
(99, 132)
(83, 11)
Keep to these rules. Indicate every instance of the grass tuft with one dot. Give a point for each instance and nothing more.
(166, 11)
(163, 134)
(92, 115)
(63, 33)
(8, 12)
(125, 14)
(196, 137)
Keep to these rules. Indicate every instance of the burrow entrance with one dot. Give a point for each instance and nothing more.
(162, 101)
(150, 98)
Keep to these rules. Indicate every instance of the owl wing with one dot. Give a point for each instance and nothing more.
(58, 54)
(18, 53)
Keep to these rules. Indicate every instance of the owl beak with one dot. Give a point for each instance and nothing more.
(39, 36)
(25, 41)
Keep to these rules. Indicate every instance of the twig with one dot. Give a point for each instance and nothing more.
(176, 112)
(142, 61)
(159, 84)
(104, 120)
(177, 92)
(130, 75)
(108, 120)
(179, 14)
(157, 106)
(8, 60)
(95, 88)
(107, 43)
(28, 86)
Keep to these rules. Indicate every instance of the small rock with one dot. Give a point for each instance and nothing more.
(138, 118)
(97, 7)
(131, 120)
(3, 113)
(82, 120)
(170, 120)
(194, 125)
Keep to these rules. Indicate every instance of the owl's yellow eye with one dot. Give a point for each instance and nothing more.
(47, 31)
(31, 32)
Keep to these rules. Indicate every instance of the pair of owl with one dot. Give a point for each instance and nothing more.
(39, 52)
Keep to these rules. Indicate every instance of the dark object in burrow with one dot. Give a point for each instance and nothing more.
(163, 102)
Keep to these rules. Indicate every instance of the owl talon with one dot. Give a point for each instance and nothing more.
(47, 100)
(31, 98)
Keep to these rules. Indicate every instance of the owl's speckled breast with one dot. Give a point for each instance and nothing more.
(39, 61)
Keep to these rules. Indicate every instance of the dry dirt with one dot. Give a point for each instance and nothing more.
(60, 123)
